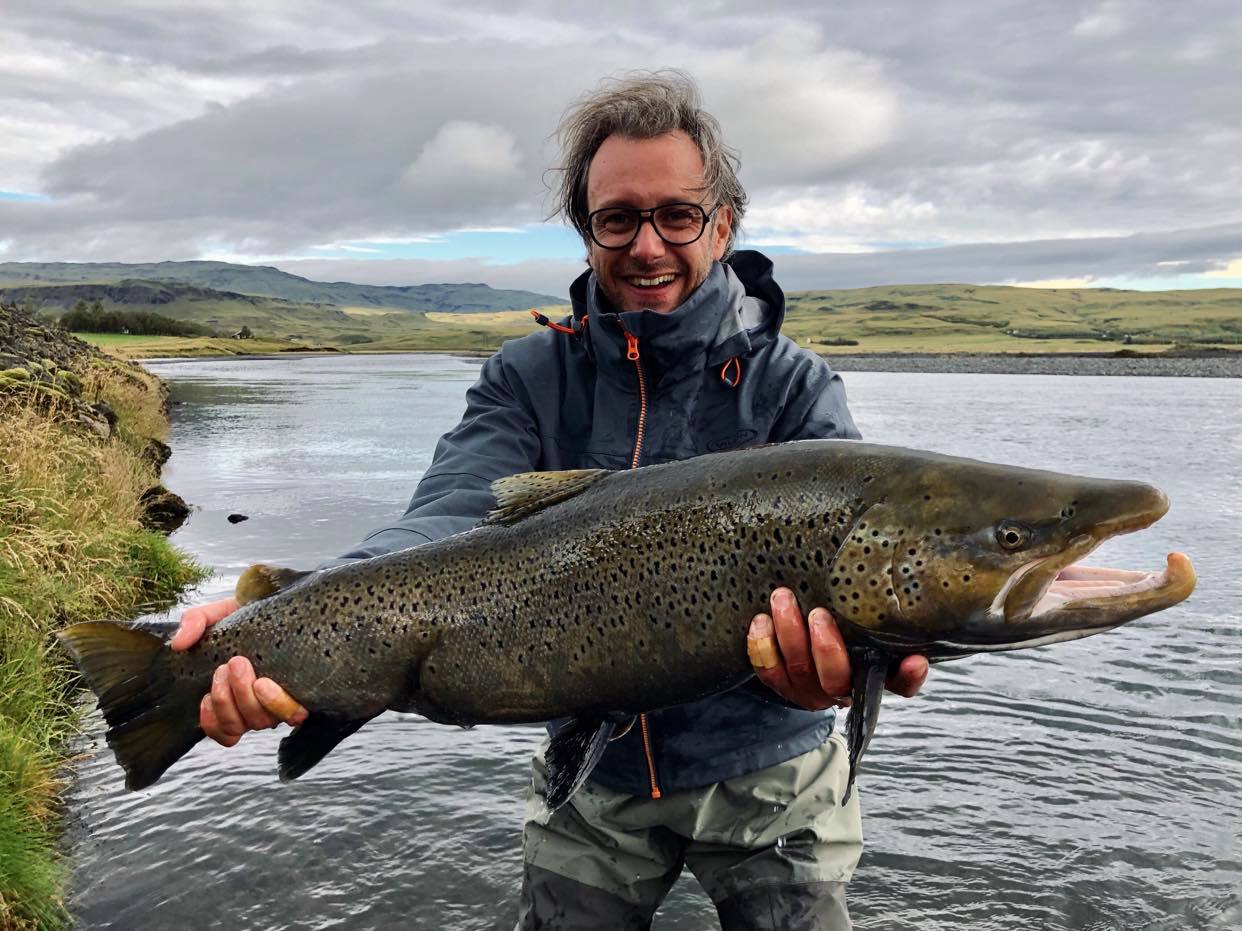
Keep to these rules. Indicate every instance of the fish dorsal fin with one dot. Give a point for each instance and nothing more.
(528, 492)
(260, 581)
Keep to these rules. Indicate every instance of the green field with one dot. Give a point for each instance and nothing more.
(893, 319)
(127, 346)
(969, 318)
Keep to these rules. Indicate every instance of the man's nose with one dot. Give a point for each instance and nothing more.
(647, 245)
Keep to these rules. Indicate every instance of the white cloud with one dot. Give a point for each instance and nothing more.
(1106, 21)
(465, 161)
(372, 123)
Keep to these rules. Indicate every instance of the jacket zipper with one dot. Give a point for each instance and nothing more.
(631, 353)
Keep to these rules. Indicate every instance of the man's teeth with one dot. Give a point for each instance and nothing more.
(653, 282)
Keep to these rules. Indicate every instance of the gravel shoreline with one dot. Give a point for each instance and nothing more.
(1189, 366)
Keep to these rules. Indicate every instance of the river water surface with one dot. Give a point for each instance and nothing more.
(1092, 785)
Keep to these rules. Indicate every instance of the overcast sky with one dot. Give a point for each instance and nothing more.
(402, 142)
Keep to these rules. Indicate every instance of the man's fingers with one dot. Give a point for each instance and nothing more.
(765, 657)
(279, 702)
(832, 659)
(194, 621)
(909, 676)
(225, 708)
(210, 724)
(795, 645)
(761, 644)
(241, 682)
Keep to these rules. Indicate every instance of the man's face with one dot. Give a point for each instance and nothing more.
(646, 173)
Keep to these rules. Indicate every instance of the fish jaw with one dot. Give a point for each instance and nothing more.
(1080, 601)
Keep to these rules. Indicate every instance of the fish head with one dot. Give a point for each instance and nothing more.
(973, 557)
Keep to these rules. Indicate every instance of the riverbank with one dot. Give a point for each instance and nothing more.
(1224, 364)
(81, 443)
(1205, 363)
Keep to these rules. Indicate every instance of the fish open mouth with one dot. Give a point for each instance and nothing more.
(1049, 603)
(1088, 586)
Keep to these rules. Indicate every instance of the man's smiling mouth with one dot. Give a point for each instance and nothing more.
(656, 282)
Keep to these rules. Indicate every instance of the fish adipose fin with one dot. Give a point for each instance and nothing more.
(870, 668)
(311, 741)
(260, 581)
(152, 714)
(571, 755)
(528, 492)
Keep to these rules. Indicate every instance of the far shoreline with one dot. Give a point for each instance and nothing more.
(1188, 364)
(1225, 364)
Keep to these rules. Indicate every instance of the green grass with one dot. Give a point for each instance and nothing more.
(72, 548)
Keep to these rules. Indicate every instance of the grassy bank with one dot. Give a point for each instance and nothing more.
(72, 548)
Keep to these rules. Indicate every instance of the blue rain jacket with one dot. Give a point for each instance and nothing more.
(714, 374)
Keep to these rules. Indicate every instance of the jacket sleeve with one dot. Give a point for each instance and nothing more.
(815, 407)
(497, 436)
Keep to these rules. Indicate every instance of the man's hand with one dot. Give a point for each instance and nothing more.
(237, 702)
(807, 663)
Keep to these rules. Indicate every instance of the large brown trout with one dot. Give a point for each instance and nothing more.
(597, 595)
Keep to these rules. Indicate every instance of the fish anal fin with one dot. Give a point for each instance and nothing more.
(311, 741)
(571, 756)
(529, 492)
(870, 669)
(261, 581)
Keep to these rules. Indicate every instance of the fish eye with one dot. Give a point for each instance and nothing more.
(1013, 536)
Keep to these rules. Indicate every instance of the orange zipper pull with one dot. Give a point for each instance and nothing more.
(631, 347)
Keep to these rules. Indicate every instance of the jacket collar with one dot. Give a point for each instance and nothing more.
(737, 309)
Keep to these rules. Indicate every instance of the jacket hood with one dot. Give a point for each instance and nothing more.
(737, 309)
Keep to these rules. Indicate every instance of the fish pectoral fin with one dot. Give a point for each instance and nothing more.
(870, 668)
(571, 755)
(529, 492)
(261, 581)
(311, 741)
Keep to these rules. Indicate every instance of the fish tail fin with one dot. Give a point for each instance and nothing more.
(870, 670)
(152, 713)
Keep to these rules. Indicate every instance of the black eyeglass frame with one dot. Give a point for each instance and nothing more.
(648, 216)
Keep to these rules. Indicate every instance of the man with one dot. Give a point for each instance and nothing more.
(670, 352)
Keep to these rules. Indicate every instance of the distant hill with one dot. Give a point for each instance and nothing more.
(131, 291)
(266, 281)
(225, 312)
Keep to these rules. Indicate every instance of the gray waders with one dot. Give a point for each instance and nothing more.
(774, 850)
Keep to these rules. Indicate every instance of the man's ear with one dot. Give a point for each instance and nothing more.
(721, 223)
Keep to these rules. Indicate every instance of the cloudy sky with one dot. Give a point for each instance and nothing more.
(386, 141)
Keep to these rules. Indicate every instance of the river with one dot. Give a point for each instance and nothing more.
(1091, 786)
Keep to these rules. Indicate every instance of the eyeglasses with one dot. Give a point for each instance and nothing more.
(676, 224)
